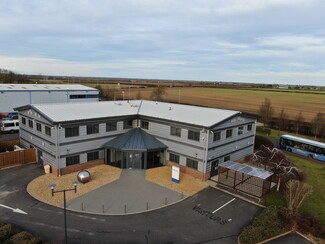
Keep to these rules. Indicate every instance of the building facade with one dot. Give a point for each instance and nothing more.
(14, 95)
(135, 134)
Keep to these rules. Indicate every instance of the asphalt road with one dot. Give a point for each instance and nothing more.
(9, 136)
(210, 216)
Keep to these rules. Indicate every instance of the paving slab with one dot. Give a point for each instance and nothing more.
(131, 193)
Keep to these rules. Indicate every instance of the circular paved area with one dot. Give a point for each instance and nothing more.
(131, 193)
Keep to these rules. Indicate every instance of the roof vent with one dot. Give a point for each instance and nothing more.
(170, 108)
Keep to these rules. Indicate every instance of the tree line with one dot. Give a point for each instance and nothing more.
(315, 127)
(8, 76)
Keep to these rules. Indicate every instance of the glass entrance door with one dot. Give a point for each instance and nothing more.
(134, 160)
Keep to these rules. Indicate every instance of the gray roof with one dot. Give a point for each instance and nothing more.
(44, 87)
(194, 115)
(136, 139)
(247, 169)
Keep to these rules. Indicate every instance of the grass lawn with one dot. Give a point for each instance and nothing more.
(314, 204)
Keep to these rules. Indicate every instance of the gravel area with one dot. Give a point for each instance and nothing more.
(104, 174)
(188, 184)
(100, 175)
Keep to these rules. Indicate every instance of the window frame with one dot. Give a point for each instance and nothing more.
(250, 127)
(39, 127)
(191, 163)
(23, 120)
(144, 124)
(111, 126)
(127, 124)
(215, 137)
(48, 130)
(193, 135)
(74, 160)
(175, 131)
(231, 133)
(240, 130)
(91, 156)
(174, 158)
(72, 131)
(30, 123)
(92, 129)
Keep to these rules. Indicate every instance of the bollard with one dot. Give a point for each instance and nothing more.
(125, 208)
(147, 206)
(165, 200)
(182, 195)
(103, 208)
(82, 206)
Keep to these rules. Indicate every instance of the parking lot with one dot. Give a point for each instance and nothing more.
(210, 216)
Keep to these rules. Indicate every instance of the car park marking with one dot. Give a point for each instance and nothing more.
(223, 205)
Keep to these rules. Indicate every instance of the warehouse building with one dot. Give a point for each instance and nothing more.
(14, 95)
(135, 134)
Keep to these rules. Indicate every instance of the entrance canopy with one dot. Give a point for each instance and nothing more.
(136, 139)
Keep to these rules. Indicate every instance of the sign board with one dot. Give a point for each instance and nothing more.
(175, 174)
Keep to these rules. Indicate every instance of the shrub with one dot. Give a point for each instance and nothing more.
(308, 224)
(266, 225)
(6, 231)
(24, 237)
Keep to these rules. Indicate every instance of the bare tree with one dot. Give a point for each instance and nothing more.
(298, 122)
(266, 111)
(296, 192)
(318, 124)
(283, 121)
(157, 94)
(275, 161)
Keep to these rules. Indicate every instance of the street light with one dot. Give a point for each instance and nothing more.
(52, 186)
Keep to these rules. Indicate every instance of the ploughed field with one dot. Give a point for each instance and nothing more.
(244, 100)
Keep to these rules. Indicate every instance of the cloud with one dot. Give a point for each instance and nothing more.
(199, 39)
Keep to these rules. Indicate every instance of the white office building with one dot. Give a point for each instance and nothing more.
(136, 134)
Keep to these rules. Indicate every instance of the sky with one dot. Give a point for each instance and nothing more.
(255, 41)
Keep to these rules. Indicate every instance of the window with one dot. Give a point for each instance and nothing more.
(240, 130)
(23, 120)
(30, 123)
(175, 131)
(227, 158)
(174, 158)
(72, 131)
(111, 126)
(229, 133)
(47, 130)
(191, 163)
(249, 127)
(92, 129)
(217, 136)
(39, 127)
(83, 96)
(72, 160)
(92, 156)
(17, 123)
(194, 135)
(144, 124)
(128, 124)
(9, 124)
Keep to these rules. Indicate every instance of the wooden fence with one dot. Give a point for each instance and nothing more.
(8, 159)
(8, 145)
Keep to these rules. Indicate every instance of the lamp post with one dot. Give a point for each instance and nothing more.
(52, 186)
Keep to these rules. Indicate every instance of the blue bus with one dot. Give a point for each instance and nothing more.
(304, 147)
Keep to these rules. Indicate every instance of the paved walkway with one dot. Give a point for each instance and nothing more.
(130, 194)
